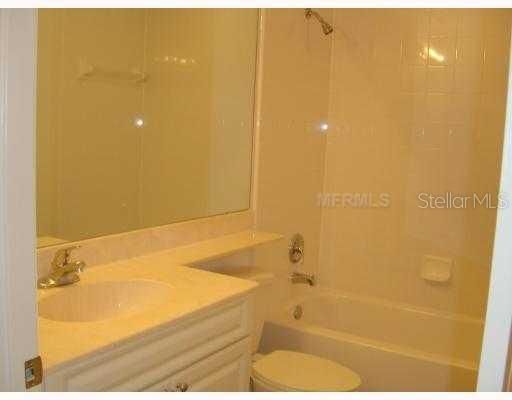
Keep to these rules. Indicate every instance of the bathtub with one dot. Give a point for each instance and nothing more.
(392, 346)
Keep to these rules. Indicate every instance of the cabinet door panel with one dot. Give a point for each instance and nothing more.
(225, 371)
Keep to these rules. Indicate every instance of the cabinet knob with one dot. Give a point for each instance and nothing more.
(182, 387)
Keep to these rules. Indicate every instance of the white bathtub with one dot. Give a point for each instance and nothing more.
(394, 347)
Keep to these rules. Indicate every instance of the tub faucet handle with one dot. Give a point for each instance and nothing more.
(296, 249)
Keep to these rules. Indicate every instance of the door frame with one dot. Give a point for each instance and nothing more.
(494, 359)
(18, 313)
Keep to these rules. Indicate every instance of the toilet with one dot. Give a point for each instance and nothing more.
(291, 371)
(288, 371)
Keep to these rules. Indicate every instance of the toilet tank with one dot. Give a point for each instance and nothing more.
(262, 298)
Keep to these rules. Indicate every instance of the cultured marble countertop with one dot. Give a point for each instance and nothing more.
(193, 290)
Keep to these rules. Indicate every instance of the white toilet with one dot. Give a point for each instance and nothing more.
(289, 371)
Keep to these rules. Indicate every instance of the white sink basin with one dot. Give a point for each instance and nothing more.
(103, 300)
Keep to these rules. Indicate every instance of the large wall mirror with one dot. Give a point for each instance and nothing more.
(144, 118)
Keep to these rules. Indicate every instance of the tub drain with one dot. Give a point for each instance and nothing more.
(297, 312)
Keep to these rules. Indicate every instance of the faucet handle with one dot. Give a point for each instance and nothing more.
(63, 256)
(296, 249)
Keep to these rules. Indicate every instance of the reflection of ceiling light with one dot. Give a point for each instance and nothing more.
(324, 126)
(433, 54)
(138, 122)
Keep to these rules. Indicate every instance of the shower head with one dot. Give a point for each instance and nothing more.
(326, 27)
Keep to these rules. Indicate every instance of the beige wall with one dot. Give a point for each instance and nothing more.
(406, 120)
(294, 97)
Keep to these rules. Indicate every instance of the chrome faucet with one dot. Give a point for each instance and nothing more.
(64, 271)
(301, 277)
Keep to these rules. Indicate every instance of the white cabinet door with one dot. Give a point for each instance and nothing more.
(228, 370)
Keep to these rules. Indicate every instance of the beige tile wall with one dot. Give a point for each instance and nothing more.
(418, 100)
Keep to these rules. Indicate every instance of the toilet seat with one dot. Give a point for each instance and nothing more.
(290, 371)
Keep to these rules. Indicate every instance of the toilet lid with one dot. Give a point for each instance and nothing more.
(292, 371)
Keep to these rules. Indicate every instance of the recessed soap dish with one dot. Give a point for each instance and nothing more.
(436, 269)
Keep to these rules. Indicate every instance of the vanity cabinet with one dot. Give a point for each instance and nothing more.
(208, 351)
(224, 371)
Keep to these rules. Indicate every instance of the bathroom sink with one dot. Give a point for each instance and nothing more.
(103, 300)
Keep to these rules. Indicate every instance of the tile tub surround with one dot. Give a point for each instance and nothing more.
(400, 122)
(106, 249)
(405, 121)
(62, 342)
